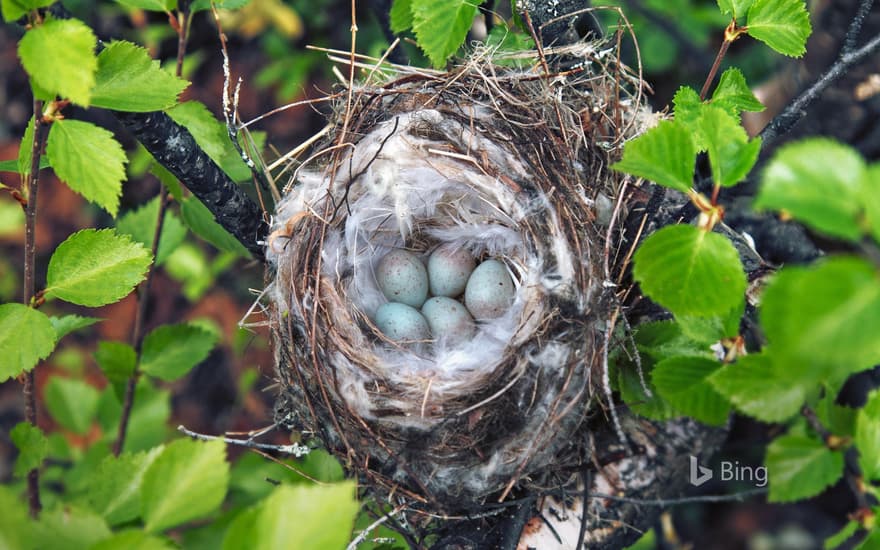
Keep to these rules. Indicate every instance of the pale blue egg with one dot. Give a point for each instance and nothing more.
(448, 270)
(401, 322)
(490, 291)
(448, 318)
(402, 278)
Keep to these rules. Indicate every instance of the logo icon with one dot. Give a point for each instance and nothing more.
(699, 474)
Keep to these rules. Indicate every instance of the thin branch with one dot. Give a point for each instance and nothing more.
(665, 502)
(293, 449)
(855, 27)
(796, 110)
(370, 528)
(30, 252)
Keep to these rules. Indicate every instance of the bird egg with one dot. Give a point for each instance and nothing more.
(448, 318)
(401, 322)
(448, 270)
(489, 291)
(402, 278)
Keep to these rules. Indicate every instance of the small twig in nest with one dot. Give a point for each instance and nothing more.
(294, 449)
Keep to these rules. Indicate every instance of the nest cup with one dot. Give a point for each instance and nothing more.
(510, 164)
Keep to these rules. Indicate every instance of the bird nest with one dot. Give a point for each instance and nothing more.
(509, 163)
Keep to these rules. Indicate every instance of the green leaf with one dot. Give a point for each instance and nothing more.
(401, 15)
(665, 154)
(818, 181)
(690, 271)
(800, 467)
(661, 340)
(26, 336)
(633, 393)
(150, 5)
(200, 5)
(871, 200)
(758, 389)
(32, 447)
(129, 80)
(731, 154)
(201, 221)
(16, 527)
(823, 321)
(709, 330)
(25, 150)
(149, 416)
(133, 540)
(13, 9)
(733, 94)
(872, 540)
(683, 382)
(212, 137)
(141, 225)
(94, 268)
(168, 179)
(59, 56)
(441, 27)
(687, 108)
(784, 25)
(66, 527)
(72, 403)
(325, 517)
(117, 361)
(116, 490)
(841, 536)
(187, 481)
(69, 323)
(89, 160)
(736, 8)
(170, 351)
(867, 437)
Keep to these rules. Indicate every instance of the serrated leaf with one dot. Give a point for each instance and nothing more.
(736, 8)
(687, 107)
(89, 160)
(96, 267)
(325, 516)
(800, 467)
(784, 25)
(201, 221)
(69, 323)
(117, 361)
(72, 403)
(633, 393)
(758, 389)
(401, 15)
(67, 527)
(32, 447)
(208, 132)
(683, 382)
(116, 490)
(823, 321)
(733, 94)
(140, 224)
(690, 271)
(187, 481)
(26, 336)
(867, 437)
(441, 27)
(129, 80)
(731, 154)
(150, 5)
(170, 351)
(818, 181)
(665, 154)
(664, 339)
(59, 56)
(13, 9)
(840, 420)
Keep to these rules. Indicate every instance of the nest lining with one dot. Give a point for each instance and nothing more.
(509, 164)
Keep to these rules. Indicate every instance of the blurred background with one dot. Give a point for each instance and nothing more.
(232, 390)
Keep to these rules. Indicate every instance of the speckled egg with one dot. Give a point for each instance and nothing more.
(401, 322)
(448, 318)
(449, 270)
(489, 291)
(402, 278)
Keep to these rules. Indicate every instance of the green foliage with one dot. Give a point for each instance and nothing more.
(116, 491)
(94, 268)
(59, 56)
(150, 5)
(68, 527)
(440, 27)
(325, 516)
(72, 403)
(734, 95)
(867, 437)
(819, 182)
(401, 15)
(784, 25)
(133, 540)
(33, 446)
(117, 361)
(140, 224)
(89, 160)
(170, 351)
(731, 154)
(201, 221)
(683, 383)
(736, 8)
(13, 9)
(70, 323)
(664, 154)
(15, 525)
(129, 80)
(690, 271)
(758, 388)
(188, 480)
(800, 466)
(26, 336)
